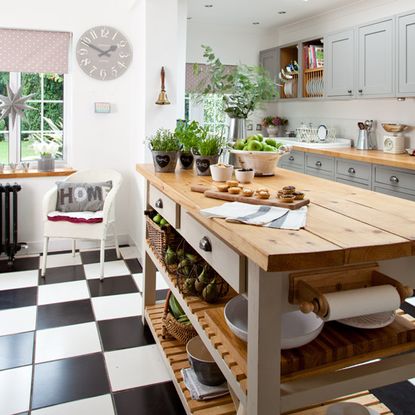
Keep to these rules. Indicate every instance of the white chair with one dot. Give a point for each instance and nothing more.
(74, 231)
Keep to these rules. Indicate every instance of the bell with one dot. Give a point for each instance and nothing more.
(162, 99)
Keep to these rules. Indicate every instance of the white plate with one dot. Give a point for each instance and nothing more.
(349, 408)
(322, 132)
(371, 321)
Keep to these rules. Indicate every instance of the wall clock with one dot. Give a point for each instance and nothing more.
(103, 53)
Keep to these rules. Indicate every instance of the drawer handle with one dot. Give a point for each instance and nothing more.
(291, 158)
(319, 163)
(351, 170)
(159, 204)
(349, 91)
(205, 244)
(394, 179)
(360, 91)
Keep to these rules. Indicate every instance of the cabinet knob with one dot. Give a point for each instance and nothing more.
(291, 158)
(205, 244)
(318, 163)
(349, 91)
(159, 204)
(351, 170)
(394, 179)
(360, 91)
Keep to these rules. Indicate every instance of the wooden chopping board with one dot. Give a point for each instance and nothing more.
(273, 201)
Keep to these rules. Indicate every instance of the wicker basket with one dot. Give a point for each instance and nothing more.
(172, 328)
(159, 238)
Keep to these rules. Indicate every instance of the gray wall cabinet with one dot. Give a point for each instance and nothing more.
(269, 60)
(375, 66)
(406, 55)
(383, 179)
(339, 64)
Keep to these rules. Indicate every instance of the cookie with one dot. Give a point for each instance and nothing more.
(298, 195)
(232, 183)
(247, 192)
(263, 195)
(222, 187)
(235, 190)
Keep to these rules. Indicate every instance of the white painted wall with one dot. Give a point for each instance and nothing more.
(114, 140)
(344, 114)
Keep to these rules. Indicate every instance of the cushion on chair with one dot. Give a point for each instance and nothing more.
(76, 217)
(81, 197)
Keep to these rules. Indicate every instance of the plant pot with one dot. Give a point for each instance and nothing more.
(186, 160)
(237, 129)
(203, 164)
(46, 164)
(273, 131)
(164, 161)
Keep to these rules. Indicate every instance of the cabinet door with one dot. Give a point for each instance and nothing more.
(339, 66)
(406, 55)
(269, 60)
(376, 59)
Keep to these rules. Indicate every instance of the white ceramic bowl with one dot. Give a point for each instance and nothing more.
(350, 408)
(221, 173)
(297, 328)
(244, 176)
(263, 162)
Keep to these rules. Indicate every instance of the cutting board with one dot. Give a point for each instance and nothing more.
(273, 201)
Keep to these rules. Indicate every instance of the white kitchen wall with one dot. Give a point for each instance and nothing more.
(344, 114)
(114, 140)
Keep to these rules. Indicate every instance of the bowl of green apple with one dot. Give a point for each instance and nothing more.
(258, 153)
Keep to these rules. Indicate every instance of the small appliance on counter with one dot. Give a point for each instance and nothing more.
(394, 142)
(364, 139)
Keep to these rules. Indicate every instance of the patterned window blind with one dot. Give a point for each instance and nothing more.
(192, 80)
(34, 51)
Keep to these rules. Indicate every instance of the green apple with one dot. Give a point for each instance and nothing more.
(254, 145)
(157, 218)
(239, 145)
(260, 138)
(271, 142)
(246, 148)
(163, 222)
(267, 147)
(251, 137)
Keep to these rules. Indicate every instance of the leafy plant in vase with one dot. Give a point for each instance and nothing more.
(188, 135)
(164, 147)
(243, 89)
(207, 152)
(274, 125)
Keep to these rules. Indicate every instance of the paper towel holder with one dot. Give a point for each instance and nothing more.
(308, 289)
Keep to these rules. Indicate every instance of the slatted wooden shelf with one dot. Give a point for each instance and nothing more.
(176, 359)
(337, 347)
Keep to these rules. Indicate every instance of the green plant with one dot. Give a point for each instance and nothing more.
(211, 145)
(243, 88)
(189, 134)
(163, 140)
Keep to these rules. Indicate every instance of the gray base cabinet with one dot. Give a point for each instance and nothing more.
(382, 179)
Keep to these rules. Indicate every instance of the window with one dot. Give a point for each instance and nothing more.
(207, 110)
(44, 122)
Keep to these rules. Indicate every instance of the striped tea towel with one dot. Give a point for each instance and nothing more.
(201, 392)
(258, 215)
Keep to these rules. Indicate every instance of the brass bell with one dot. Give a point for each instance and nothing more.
(162, 99)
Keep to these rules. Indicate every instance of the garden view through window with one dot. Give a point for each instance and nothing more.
(43, 122)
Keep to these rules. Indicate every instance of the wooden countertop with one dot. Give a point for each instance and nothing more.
(345, 224)
(403, 161)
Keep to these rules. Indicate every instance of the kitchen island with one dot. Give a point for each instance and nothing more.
(347, 228)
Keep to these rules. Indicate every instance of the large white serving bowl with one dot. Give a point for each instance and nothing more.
(350, 408)
(262, 162)
(297, 328)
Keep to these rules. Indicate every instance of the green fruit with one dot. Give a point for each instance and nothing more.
(269, 148)
(254, 145)
(192, 258)
(180, 254)
(175, 307)
(210, 293)
(278, 145)
(199, 286)
(271, 142)
(189, 285)
(163, 222)
(170, 258)
(246, 148)
(157, 218)
(259, 138)
(239, 145)
(251, 137)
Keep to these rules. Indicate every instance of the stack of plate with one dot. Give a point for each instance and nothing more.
(290, 88)
(315, 87)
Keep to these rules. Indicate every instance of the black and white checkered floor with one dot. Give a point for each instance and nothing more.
(72, 345)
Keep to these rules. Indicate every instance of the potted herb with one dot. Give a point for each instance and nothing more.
(274, 125)
(188, 135)
(164, 147)
(243, 89)
(207, 152)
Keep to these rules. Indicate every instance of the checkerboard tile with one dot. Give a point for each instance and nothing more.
(72, 344)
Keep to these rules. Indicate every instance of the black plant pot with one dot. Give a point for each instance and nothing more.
(203, 164)
(186, 160)
(164, 161)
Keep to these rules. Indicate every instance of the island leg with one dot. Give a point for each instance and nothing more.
(264, 341)
(149, 284)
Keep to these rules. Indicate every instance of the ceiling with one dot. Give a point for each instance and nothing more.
(246, 12)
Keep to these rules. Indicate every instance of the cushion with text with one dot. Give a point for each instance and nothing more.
(81, 197)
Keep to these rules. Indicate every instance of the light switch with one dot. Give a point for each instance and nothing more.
(102, 108)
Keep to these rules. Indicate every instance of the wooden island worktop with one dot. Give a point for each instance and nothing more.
(347, 228)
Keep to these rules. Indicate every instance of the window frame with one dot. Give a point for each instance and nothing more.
(14, 148)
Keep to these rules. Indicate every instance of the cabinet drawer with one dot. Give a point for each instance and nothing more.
(395, 179)
(391, 192)
(165, 206)
(352, 182)
(320, 163)
(353, 171)
(226, 261)
(293, 161)
(320, 173)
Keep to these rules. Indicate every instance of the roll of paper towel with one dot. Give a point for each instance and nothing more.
(362, 301)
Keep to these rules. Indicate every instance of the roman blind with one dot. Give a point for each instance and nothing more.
(34, 51)
(193, 80)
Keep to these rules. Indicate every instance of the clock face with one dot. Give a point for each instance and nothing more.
(103, 53)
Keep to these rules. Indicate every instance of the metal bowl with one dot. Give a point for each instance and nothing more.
(297, 328)
(394, 128)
